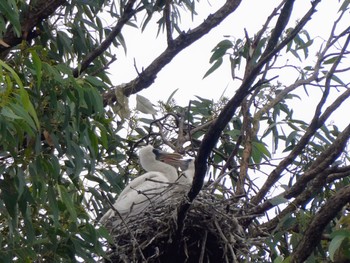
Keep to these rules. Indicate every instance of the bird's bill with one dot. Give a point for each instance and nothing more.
(175, 161)
(161, 156)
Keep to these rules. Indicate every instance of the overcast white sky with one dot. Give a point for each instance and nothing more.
(186, 71)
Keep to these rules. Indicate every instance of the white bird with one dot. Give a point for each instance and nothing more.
(186, 177)
(152, 186)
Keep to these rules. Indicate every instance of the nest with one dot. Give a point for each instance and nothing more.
(211, 232)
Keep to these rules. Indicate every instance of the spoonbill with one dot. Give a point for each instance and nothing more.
(152, 186)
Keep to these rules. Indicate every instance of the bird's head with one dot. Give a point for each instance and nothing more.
(149, 156)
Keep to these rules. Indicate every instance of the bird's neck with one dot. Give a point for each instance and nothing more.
(168, 170)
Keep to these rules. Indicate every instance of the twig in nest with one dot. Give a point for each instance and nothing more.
(127, 227)
(204, 241)
(227, 244)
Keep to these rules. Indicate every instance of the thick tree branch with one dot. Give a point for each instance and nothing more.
(29, 19)
(169, 29)
(147, 77)
(322, 162)
(318, 172)
(213, 134)
(267, 55)
(313, 234)
(282, 22)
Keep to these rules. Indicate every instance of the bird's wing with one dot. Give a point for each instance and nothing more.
(141, 192)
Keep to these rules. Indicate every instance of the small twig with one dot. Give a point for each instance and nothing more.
(136, 69)
(227, 243)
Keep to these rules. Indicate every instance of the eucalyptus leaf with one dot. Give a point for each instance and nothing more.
(144, 105)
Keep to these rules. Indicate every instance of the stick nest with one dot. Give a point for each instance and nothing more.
(211, 232)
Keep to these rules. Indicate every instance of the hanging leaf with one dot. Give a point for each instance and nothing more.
(335, 244)
(38, 66)
(68, 202)
(216, 65)
(144, 105)
(10, 11)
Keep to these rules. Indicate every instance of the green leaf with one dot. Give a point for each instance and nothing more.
(10, 11)
(277, 200)
(38, 66)
(27, 105)
(260, 151)
(338, 80)
(171, 96)
(64, 43)
(331, 60)
(216, 65)
(144, 105)
(21, 112)
(95, 81)
(67, 200)
(9, 195)
(53, 204)
(334, 245)
(220, 50)
(105, 234)
(7, 112)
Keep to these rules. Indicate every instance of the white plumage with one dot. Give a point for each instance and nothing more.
(150, 187)
(186, 177)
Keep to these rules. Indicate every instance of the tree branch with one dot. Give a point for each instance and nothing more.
(211, 137)
(314, 231)
(247, 151)
(315, 123)
(127, 14)
(29, 19)
(318, 174)
(324, 160)
(168, 26)
(282, 22)
(147, 77)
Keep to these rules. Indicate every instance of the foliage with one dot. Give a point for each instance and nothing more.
(69, 141)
